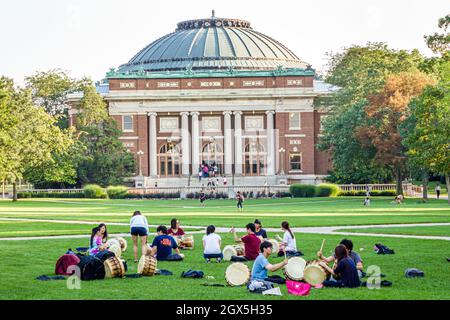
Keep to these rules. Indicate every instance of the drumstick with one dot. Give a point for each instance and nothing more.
(321, 247)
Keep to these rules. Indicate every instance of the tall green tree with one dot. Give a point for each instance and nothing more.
(359, 71)
(106, 161)
(428, 139)
(385, 114)
(50, 89)
(29, 134)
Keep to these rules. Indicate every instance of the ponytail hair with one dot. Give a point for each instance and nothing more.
(285, 225)
(210, 229)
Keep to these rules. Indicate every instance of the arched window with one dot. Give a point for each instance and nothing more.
(169, 159)
(255, 159)
(212, 155)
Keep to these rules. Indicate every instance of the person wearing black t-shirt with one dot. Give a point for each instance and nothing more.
(259, 231)
(345, 270)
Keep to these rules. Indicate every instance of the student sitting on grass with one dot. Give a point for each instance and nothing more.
(96, 245)
(251, 243)
(353, 255)
(288, 243)
(211, 245)
(163, 244)
(259, 231)
(261, 266)
(345, 270)
(103, 232)
(175, 229)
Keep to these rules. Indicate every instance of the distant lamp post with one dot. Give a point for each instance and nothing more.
(140, 153)
(282, 151)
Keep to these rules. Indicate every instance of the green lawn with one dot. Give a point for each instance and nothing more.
(299, 212)
(22, 261)
(418, 231)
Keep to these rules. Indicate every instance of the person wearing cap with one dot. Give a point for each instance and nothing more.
(259, 231)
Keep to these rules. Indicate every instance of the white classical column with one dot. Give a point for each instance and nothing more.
(185, 145)
(237, 143)
(228, 151)
(195, 142)
(152, 156)
(270, 144)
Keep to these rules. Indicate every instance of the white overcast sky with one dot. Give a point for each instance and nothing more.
(87, 37)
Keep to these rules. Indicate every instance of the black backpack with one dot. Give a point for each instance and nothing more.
(91, 268)
(105, 254)
(382, 249)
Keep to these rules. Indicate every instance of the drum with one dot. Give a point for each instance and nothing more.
(147, 266)
(237, 274)
(187, 242)
(114, 246)
(275, 246)
(114, 268)
(314, 273)
(294, 268)
(123, 243)
(232, 250)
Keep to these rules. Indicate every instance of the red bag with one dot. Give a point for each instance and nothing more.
(298, 288)
(65, 262)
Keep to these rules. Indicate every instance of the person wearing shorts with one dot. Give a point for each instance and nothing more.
(139, 229)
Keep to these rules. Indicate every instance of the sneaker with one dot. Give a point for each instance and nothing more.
(208, 260)
(219, 260)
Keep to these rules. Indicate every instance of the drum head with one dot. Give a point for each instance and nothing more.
(237, 274)
(229, 251)
(295, 268)
(115, 248)
(123, 243)
(314, 275)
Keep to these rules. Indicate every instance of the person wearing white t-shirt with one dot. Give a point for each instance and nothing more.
(139, 228)
(288, 243)
(211, 245)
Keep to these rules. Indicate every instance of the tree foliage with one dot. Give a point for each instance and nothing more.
(385, 113)
(29, 136)
(359, 71)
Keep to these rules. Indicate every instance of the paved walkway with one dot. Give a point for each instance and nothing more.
(332, 230)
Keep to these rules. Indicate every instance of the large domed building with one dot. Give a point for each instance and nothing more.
(217, 92)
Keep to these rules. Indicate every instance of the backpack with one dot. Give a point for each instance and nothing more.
(91, 268)
(105, 254)
(192, 274)
(382, 249)
(64, 262)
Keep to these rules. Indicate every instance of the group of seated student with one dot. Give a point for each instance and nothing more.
(344, 274)
(354, 256)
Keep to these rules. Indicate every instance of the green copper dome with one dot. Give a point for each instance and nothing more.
(213, 44)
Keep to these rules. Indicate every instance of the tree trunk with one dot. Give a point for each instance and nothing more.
(425, 185)
(14, 191)
(447, 183)
(398, 180)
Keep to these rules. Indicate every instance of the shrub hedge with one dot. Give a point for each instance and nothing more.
(94, 191)
(362, 193)
(327, 190)
(117, 192)
(303, 190)
(24, 195)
